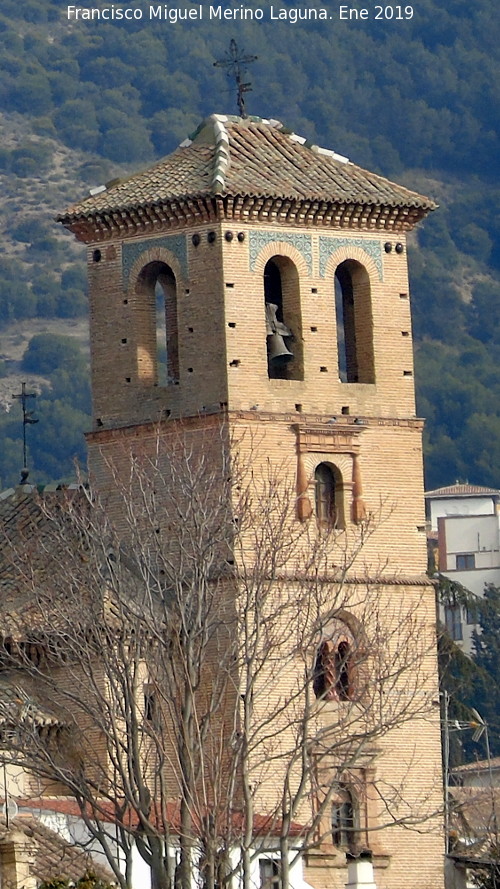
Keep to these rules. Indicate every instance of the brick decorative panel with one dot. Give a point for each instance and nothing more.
(327, 246)
(133, 249)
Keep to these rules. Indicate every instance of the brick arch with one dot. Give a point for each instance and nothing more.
(341, 254)
(352, 623)
(281, 248)
(154, 254)
(343, 462)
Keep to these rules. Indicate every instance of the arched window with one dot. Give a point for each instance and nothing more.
(344, 818)
(333, 671)
(283, 320)
(353, 312)
(158, 340)
(329, 496)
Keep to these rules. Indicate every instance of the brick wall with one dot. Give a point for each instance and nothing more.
(285, 427)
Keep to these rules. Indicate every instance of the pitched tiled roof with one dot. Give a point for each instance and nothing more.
(53, 856)
(473, 811)
(463, 490)
(481, 765)
(250, 157)
(262, 824)
(16, 705)
(30, 561)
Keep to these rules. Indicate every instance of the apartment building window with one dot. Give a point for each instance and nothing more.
(465, 562)
(471, 616)
(453, 622)
(270, 873)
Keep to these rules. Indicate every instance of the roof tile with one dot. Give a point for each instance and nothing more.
(251, 157)
(463, 490)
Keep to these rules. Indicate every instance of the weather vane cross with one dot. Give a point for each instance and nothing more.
(235, 64)
(28, 420)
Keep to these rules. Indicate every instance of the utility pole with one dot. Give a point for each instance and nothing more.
(28, 420)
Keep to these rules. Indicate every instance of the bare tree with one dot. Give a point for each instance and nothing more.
(213, 674)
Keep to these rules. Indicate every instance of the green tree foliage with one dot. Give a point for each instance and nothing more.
(87, 881)
(48, 352)
(487, 658)
(471, 683)
(483, 314)
(56, 441)
(459, 392)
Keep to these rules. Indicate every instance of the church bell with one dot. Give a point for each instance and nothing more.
(277, 351)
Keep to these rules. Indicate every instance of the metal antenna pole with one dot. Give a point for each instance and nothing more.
(235, 64)
(492, 790)
(446, 770)
(28, 418)
(6, 796)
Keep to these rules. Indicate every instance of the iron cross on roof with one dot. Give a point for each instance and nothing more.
(235, 64)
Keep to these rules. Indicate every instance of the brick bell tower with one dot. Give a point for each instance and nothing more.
(254, 276)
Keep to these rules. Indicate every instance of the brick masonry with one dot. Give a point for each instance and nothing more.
(223, 377)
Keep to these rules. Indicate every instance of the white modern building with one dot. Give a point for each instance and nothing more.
(464, 530)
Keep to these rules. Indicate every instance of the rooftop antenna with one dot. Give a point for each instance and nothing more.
(235, 64)
(28, 420)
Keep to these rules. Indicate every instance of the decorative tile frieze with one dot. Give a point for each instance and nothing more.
(175, 244)
(328, 245)
(260, 239)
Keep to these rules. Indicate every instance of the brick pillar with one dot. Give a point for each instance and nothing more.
(16, 858)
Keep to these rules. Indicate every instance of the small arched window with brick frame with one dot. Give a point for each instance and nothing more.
(328, 495)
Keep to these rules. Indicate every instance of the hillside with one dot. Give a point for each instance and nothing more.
(417, 100)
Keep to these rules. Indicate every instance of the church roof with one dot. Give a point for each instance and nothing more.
(53, 857)
(256, 158)
(16, 703)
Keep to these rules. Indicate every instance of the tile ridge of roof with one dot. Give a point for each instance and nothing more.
(48, 488)
(222, 155)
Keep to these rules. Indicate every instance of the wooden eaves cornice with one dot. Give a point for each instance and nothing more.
(186, 212)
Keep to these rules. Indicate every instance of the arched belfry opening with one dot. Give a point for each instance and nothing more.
(353, 312)
(283, 320)
(157, 326)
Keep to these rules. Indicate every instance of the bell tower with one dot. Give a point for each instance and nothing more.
(254, 279)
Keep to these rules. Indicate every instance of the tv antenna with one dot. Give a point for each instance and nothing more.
(28, 420)
(235, 64)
